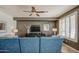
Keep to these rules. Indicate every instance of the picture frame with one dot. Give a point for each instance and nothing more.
(46, 27)
(2, 26)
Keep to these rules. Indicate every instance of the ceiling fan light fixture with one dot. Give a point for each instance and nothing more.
(35, 12)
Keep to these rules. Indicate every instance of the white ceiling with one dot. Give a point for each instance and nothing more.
(53, 10)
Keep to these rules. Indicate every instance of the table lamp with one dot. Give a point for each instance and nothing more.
(54, 30)
(14, 30)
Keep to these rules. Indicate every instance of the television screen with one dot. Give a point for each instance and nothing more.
(35, 28)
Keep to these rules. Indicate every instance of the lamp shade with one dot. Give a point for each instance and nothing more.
(15, 30)
(54, 29)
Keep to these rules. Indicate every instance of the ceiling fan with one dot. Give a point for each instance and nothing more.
(35, 12)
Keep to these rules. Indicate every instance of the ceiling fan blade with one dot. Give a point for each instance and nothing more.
(30, 14)
(41, 11)
(27, 11)
(37, 14)
(33, 9)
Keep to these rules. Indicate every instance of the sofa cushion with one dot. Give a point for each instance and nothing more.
(29, 44)
(9, 45)
(50, 45)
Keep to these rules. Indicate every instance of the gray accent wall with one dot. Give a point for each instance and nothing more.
(22, 23)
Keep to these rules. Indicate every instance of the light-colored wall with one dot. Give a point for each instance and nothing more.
(9, 22)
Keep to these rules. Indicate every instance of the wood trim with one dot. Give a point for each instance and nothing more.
(69, 12)
(36, 18)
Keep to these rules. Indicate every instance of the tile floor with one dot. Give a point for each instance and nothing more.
(68, 49)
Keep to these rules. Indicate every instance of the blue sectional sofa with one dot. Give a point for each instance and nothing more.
(9, 45)
(31, 45)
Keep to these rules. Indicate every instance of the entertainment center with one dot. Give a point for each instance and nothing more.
(35, 31)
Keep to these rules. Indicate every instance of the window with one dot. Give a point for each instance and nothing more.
(2, 26)
(72, 26)
(67, 27)
(63, 27)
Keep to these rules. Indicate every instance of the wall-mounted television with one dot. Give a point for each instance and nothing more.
(35, 28)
